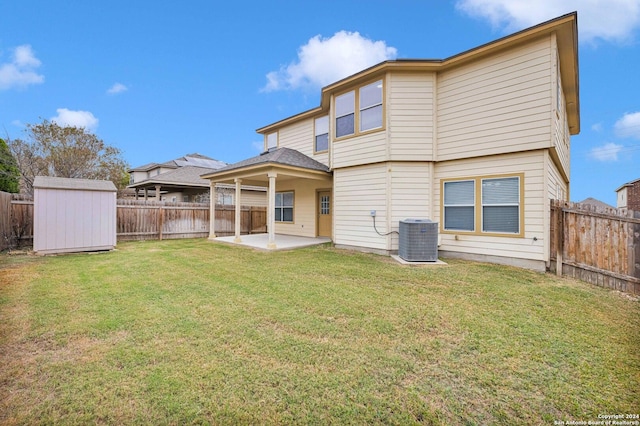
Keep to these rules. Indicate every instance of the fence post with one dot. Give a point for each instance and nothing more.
(160, 222)
(634, 269)
(559, 226)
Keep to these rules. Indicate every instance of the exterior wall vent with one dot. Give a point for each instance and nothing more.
(418, 240)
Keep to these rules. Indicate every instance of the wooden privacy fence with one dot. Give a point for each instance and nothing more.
(253, 220)
(143, 220)
(138, 220)
(17, 226)
(601, 247)
(158, 220)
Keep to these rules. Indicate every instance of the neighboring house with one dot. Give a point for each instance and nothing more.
(629, 196)
(179, 181)
(478, 142)
(599, 205)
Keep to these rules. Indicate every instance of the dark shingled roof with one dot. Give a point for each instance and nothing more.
(283, 156)
(186, 175)
(594, 202)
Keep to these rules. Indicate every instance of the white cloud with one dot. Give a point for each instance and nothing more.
(597, 127)
(608, 20)
(117, 88)
(20, 71)
(628, 126)
(607, 152)
(325, 60)
(67, 117)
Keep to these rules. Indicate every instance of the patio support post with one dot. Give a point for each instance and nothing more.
(158, 192)
(212, 210)
(137, 190)
(238, 210)
(146, 194)
(271, 211)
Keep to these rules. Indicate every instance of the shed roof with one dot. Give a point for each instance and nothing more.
(50, 182)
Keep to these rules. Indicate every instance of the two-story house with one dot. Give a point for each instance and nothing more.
(478, 142)
(628, 196)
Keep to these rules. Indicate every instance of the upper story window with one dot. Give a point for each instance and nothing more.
(321, 142)
(345, 114)
(272, 140)
(371, 106)
(367, 101)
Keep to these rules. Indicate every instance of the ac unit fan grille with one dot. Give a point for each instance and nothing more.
(418, 240)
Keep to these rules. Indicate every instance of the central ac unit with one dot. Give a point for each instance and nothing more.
(418, 240)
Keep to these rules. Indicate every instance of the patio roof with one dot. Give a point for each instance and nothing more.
(286, 162)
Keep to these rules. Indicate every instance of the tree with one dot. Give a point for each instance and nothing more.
(66, 151)
(9, 171)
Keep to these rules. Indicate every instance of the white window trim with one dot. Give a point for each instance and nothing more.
(292, 207)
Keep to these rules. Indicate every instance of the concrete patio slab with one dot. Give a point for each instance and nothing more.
(283, 242)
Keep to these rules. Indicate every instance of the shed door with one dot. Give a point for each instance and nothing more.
(324, 214)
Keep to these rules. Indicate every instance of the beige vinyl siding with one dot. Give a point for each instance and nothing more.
(557, 189)
(304, 202)
(532, 165)
(298, 136)
(409, 195)
(254, 198)
(410, 116)
(497, 104)
(359, 150)
(139, 176)
(357, 191)
(561, 136)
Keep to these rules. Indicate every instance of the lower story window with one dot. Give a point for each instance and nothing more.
(284, 207)
(501, 205)
(484, 205)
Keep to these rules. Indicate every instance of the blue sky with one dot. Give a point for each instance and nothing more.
(162, 79)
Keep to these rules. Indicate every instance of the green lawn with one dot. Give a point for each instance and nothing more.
(189, 331)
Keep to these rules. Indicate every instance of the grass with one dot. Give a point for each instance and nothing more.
(188, 331)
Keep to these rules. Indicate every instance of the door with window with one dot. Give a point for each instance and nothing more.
(324, 214)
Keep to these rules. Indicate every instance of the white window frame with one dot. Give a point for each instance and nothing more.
(345, 110)
(282, 206)
(321, 128)
(446, 206)
(369, 107)
(272, 140)
(511, 204)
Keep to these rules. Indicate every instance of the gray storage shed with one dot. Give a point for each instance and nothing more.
(73, 215)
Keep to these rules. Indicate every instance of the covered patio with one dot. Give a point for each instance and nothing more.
(285, 242)
(280, 169)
